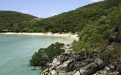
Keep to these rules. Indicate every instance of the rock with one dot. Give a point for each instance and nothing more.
(104, 72)
(106, 61)
(107, 68)
(117, 29)
(64, 74)
(74, 65)
(55, 62)
(112, 68)
(115, 73)
(60, 58)
(115, 64)
(62, 67)
(89, 60)
(70, 66)
(82, 53)
(90, 55)
(89, 69)
(119, 68)
(68, 51)
(77, 66)
(114, 38)
(53, 72)
(75, 57)
(99, 62)
(102, 49)
(77, 73)
(63, 57)
(52, 68)
(83, 64)
(101, 72)
(45, 72)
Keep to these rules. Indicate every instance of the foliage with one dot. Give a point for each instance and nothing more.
(14, 21)
(94, 22)
(106, 54)
(101, 14)
(45, 55)
(79, 45)
(112, 51)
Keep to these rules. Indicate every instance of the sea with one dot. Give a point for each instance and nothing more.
(16, 51)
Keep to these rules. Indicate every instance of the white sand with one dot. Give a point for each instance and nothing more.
(74, 36)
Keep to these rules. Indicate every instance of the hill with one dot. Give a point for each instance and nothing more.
(10, 20)
(75, 20)
(99, 28)
(98, 25)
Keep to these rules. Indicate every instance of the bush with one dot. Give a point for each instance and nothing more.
(78, 45)
(105, 54)
(45, 55)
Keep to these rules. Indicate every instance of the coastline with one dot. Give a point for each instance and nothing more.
(69, 35)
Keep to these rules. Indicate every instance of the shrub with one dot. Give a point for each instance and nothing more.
(45, 55)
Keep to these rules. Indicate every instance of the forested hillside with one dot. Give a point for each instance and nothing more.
(75, 20)
(12, 20)
(98, 24)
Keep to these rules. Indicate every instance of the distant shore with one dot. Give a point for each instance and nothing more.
(74, 36)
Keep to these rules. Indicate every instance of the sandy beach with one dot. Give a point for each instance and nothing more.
(69, 35)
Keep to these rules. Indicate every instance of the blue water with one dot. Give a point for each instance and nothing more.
(16, 51)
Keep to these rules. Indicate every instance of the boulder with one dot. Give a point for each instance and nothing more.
(83, 64)
(60, 58)
(89, 60)
(74, 65)
(63, 66)
(82, 53)
(115, 38)
(70, 66)
(63, 73)
(117, 29)
(77, 73)
(53, 72)
(119, 68)
(100, 63)
(90, 55)
(107, 68)
(116, 73)
(89, 69)
(63, 57)
(112, 68)
(56, 62)
(106, 61)
(75, 57)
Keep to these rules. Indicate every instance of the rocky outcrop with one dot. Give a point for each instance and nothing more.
(82, 63)
(115, 38)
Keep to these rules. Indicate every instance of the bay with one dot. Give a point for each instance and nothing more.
(17, 50)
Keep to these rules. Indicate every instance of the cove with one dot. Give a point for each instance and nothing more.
(16, 51)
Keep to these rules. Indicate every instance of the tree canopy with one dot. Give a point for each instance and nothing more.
(94, 22)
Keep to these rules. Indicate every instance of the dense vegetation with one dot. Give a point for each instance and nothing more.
(46, 55)
(12, 20)
(94, 22)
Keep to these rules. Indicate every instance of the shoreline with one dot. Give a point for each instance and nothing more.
(74, 36)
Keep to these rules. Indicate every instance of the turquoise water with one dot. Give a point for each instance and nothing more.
(16, 51)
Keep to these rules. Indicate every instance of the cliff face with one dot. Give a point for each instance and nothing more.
(82, 63)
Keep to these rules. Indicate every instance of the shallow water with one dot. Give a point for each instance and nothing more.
(16, 51)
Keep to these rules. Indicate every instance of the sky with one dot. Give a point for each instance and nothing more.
(43, 8)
